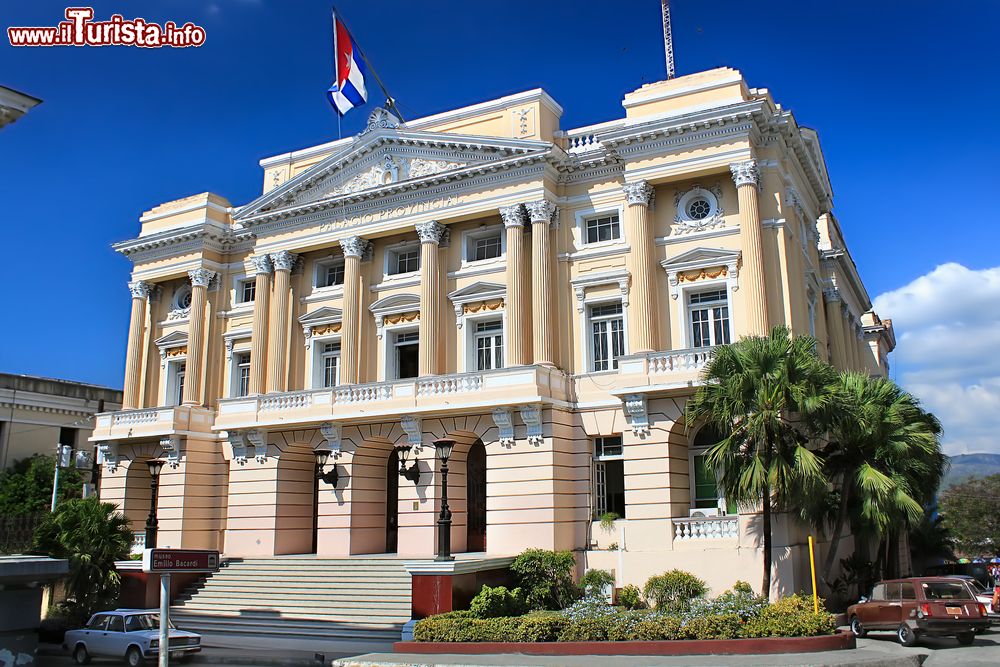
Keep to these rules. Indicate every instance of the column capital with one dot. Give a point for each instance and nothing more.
(140, 289)
(638, 193)
(262, 264)
(431, 231)
(513, 216)
(745, 173)
(542, 210)
(355, 246)
(201, 277)
(284, 260)
(831, 294)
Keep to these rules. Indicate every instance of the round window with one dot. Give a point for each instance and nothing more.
(184, 298)
(699, 208)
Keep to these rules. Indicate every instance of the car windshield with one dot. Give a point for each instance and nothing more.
(939, 590)
(140, 622)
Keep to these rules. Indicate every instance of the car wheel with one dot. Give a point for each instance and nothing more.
(965, 638)
(133, 656)
(857, 628)
(906, 635)
(80, 655)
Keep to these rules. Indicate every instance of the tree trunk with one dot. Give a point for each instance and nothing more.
(838, 530)
(765, 524)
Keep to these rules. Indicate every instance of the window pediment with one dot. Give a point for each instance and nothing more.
(702, 264)
(490, 294)
(395, 309)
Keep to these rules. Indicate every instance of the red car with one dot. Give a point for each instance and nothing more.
(931, 606)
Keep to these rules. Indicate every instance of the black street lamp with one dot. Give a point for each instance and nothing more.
(155, 466)
(413, 472)
(330, 476)
(444, 446)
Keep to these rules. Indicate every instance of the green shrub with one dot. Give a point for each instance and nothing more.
(631, 598)
(622, 624)
(608, 520)
(594, 582)
(538, 628)
(657, 628)
(546, 578)
(792, 616)
(726, 626)
(586, 630)
(451, 628)
(496, 602)
(673, 591)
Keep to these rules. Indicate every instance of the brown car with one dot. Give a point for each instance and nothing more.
(932, 606)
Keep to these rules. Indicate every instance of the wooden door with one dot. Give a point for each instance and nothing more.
(475, 494)
(392, 503)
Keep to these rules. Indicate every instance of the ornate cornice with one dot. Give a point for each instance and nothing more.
(355, 246)
(201, 277)
(542, 210)
(513, 216)
(638, 193)
(262, 264)
(431, 231)
(140, 289)
(745, 173)
(284, 260)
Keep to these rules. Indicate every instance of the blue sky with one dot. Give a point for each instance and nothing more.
(898, 91)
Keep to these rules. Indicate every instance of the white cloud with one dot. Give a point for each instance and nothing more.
(947, 325)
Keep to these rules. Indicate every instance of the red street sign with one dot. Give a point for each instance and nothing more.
(180, 560)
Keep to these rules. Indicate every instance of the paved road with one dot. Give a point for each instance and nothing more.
(940, 651)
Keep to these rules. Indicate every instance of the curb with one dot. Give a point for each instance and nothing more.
(258, 660)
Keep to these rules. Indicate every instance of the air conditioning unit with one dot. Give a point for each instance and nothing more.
(704, 513)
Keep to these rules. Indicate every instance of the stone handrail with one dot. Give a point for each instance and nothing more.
(449, 384)
(138, 542)
(130, 417)
(286, 401)
(707, 528)
(362, 393)
(678, 360)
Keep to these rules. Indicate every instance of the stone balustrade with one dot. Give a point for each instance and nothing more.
(693, 359)
(449, 384)
(286, 401)
(130, 417)
(706, 528)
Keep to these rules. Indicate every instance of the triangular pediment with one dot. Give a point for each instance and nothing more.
(701, 258)
(384, 161)
(324, 315)
(397, 303)
(480, 291)
(172, 339)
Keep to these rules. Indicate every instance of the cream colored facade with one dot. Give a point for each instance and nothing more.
(534, 293)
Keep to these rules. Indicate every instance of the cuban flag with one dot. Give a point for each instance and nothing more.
(348, 90)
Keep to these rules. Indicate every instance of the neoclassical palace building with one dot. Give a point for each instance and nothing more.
(545, 297)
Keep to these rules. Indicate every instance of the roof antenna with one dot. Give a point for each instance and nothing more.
(668, 39)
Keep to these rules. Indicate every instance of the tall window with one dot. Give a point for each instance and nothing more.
(246, 291)
(330, 273)
(330, 357)
(609, 476)
(603, 228)
(607, 327)
(407, 350)
(708, 313)
(705, 490)
(404, 260)
(489, 345)
(241, 383)
(180, 370)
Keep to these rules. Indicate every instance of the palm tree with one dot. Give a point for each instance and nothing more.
(766, 393)
(885, 456)
(92, 535)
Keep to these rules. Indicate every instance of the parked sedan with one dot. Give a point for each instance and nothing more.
(133, 634)
(931, 606)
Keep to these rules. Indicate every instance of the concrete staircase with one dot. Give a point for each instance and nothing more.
(338, 605)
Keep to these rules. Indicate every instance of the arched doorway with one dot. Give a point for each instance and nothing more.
(475, 494)
(392, 502)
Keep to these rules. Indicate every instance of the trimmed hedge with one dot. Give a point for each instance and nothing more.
(464, 628)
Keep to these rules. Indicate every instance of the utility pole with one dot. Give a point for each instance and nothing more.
(668, 39)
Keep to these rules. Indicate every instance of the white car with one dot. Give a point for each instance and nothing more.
(132, 634)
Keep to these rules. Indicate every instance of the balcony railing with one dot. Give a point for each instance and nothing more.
(131, 417)
(138, 542)
(707, 528)
(506, 386)
(145, 423)
(693, 359)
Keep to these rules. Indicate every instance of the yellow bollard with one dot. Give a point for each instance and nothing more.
(812, 566)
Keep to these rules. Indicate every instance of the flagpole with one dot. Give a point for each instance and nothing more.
(390, 101)
(336, 65)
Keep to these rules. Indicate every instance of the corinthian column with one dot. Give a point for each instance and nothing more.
(747, 176)
(430, 234)
(541, 212)
(258, 335)
(277, 356)
(642, 309)
(518, 323)
(350, 326)
(200, 280)
(835, 328)
(133, 354)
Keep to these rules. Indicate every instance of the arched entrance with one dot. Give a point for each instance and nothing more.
(392, 502)
(475, 494)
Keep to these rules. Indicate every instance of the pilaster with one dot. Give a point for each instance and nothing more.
(200, 280)
(259, 333)
(518, 319)
(134, 353)
(430, 234)
(746, 175)
(642, 321)
(354, 248)
(277, 357)
(541, 214)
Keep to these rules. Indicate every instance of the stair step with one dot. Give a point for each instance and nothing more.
(300, 624)
(347, 632)
(287, 601)
(370, 589)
